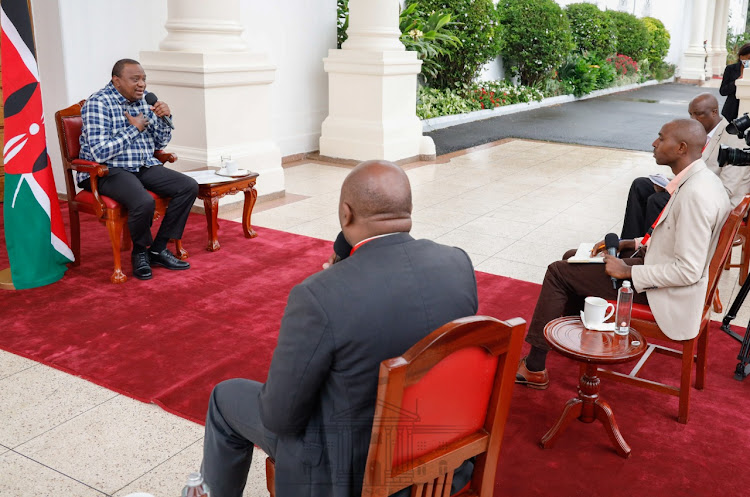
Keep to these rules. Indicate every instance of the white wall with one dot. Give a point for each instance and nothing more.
(296, 40)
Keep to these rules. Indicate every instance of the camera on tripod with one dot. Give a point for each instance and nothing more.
(735, 156)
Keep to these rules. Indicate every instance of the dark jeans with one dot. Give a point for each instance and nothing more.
(565, 287)
(130, 189)
(644, 206)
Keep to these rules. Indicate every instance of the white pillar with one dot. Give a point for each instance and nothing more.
(695, 56)
(721, 24)
(219, 92)
(708, 36)
(372, 88)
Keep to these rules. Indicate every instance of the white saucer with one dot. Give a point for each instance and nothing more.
(238, 174)
(599, 327)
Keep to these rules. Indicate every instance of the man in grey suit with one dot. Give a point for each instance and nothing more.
(646, 201)
(671, 276)
(314, 413)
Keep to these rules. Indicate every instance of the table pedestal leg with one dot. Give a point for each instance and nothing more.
(251, 195)
(211, 206)
(588, 407)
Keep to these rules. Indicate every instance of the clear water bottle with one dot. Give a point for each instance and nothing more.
(624, 308)
(195, 487)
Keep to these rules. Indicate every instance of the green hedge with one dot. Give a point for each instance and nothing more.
(535, 38)
(476, 28)
(633, 38)
(658, 40)
(593, 31)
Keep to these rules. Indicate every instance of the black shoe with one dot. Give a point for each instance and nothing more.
(166, 259)
(141, 266)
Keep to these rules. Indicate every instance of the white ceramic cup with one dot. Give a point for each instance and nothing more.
(230, 167)
(595, 310)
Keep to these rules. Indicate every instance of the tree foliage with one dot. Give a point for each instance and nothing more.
(632, 35)
(592, 30)
(536, 38)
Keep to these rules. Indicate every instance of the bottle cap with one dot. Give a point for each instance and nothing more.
(194, 479)
(626, 284)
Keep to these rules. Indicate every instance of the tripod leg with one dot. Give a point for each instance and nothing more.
(743, 368)
(732, 313)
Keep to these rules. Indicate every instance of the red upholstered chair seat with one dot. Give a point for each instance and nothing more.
(86, 197)
(640, 311)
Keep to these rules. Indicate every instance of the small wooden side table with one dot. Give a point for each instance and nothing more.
(211, 187)
(568, 336)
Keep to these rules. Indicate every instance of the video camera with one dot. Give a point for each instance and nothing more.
(735, 156)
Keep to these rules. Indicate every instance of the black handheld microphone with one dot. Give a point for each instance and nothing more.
(151, 99)
(341, 247)
(612, 242)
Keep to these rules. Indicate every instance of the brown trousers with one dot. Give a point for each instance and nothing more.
(565, 287)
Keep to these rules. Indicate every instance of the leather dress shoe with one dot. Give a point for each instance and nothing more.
(166, 259)
(532, 379)
(141, 266)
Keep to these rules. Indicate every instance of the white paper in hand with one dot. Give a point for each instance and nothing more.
(583, 254)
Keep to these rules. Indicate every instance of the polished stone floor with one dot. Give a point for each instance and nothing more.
(513, 206)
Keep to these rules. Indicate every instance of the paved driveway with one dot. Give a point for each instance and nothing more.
(628, 120)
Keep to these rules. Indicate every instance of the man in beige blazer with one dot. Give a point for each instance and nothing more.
(668, 267)
(645, 201)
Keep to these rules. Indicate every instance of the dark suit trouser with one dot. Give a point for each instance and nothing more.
(565, 287)
(643, 207)
(130, 189)
(233, 425)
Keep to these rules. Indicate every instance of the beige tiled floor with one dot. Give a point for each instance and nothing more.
(514, 207)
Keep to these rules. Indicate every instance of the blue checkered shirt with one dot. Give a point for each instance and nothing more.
(109, 138)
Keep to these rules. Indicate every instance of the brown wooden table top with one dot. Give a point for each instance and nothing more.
(568, 336)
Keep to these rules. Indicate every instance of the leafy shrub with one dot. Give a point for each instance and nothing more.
(734, 43)
(604, 72)
(429, 38)
(592, 30)
(632, 34)
(661, 70)
(476, 29)
(342, 21)
(658, 40)
(578, 76)
(434, 102)
(535, 37)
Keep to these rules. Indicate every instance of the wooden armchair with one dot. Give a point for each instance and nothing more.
(106, 209)
(692, 350)
(445, 400)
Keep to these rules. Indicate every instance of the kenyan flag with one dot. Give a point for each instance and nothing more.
(34, 231)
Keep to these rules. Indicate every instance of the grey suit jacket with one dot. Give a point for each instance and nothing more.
(736, 179)
(339, 324)
(674, 273)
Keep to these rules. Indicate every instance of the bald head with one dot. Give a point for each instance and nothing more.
(704, 108)
(692, 133)
(375, 199)
(680, 142)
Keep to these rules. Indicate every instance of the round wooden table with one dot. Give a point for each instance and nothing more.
(568, 336)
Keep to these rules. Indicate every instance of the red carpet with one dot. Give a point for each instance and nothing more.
(169, 340)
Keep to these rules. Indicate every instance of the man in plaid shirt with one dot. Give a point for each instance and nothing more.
(122, 131)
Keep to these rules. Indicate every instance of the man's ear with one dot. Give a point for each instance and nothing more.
(347, 215)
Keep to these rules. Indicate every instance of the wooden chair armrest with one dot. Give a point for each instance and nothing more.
(164, 157)
(87, 166)
(95, 171)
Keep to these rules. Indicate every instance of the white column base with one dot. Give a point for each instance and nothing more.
(372, 99)
(693, 65)
(221, 106)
